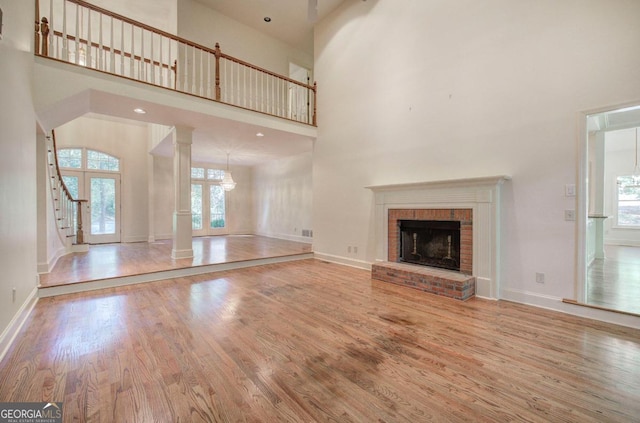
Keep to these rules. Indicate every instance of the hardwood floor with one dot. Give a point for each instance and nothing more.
(614, 282)
(310, 341)
(130, 259)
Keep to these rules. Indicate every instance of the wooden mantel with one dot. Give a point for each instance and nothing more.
(481, 194)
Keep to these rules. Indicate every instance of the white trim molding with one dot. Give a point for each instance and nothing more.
(482, 195)
(12, 330)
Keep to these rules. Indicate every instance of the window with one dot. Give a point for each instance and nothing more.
(101, 161)
(74, 158)
(197, 173)
(215, 174)
(70, 158)
(628, 201)
(196, 206)
(208, 202)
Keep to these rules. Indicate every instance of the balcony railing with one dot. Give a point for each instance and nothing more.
(77, 32)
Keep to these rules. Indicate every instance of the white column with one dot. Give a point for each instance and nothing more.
(182, 246)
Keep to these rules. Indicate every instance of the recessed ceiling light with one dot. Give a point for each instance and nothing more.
(140, 111)
(267, 19)
(259, 134)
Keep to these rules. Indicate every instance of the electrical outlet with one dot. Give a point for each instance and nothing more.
(349, 249)
(355, 250)
(569, 215)
(539, 277)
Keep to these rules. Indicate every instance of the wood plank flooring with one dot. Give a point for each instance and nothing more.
(614, 282)
(130, 259)
(309, 341)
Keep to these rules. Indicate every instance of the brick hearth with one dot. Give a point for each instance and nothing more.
(436, 281)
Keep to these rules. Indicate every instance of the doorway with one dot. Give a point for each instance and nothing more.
(609, 224)
(299, 107)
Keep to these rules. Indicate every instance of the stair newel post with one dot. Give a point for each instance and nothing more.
(79, 230)
(44, 30)
(217, 53)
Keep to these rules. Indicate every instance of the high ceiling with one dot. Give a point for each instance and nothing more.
(289, 18)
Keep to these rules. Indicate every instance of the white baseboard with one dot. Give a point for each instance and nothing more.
(622, 242)
(556, 304)
(360, 264)
(46, 267)
(287, 237)
(140, 238)
(10, 333)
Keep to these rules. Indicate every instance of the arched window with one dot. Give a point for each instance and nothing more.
(85, 159)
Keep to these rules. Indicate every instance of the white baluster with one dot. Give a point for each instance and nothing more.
(52, 29)
(132, 64)
(89, 44)
(201, 79)
(112, 49)
(78, 34)
(193, 64)
(209, 75)
(100, 60)
(122, 56)
(152, 64)
(161, 63)
(142, 74)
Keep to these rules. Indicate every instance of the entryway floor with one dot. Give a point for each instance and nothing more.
(130, 259)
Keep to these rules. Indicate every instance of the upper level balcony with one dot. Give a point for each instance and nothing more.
(77, 33)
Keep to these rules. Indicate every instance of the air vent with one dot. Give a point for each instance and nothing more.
(307, 233)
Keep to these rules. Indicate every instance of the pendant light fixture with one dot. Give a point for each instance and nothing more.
(227, 182)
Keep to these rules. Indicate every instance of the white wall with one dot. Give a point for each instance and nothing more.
(283, 197)
(18, 236)
(205, 26)
(619, 160)
(163, 197)
(428, 90)
(128, 142)
(160, 14)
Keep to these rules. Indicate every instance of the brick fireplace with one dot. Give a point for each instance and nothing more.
(430, 274)
(463, 216)
(474, 202)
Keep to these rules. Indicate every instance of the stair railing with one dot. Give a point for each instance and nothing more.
(86, 35)
(67, 210)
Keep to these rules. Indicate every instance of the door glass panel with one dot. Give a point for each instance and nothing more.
(216, 206)
(103, 206)
(196, 206)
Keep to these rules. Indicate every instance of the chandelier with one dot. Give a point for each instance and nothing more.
(227, 182)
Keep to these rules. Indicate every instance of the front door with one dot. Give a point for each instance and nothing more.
(103, 193)
(102, 210)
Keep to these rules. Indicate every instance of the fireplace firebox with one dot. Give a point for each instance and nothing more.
(434, 243)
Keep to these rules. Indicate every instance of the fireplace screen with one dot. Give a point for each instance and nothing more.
(432, 243)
